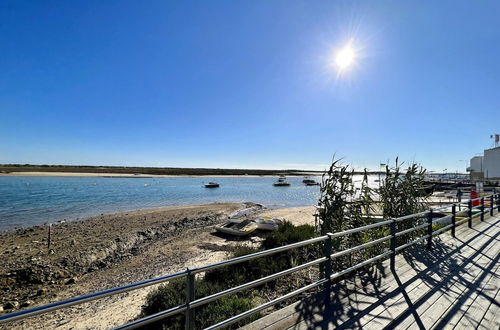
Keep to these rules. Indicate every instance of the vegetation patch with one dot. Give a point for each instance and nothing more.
(173, 293)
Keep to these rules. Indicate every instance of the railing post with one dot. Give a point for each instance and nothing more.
(189, 299)
(482, 208)
(429, 230)
(492, 205)
(328, 267)
(498, 202)
(453, 219)
(393, 244)
(470, 213)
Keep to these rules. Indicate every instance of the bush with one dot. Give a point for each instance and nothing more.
(288, 234)
(173, 294)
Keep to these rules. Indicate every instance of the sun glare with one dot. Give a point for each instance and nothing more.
(345, 57)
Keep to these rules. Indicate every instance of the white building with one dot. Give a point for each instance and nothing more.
(487, 166)
(476, 164)
(491, 163)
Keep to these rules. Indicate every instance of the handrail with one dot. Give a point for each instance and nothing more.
(191, 303)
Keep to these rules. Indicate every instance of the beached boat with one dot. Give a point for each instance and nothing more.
(267, 223)
(243, 228)
(212, 185)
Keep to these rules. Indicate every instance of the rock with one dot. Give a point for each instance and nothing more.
(11, 305)
(1, 309)
(27, 303)
(41, 292)
(71, 281)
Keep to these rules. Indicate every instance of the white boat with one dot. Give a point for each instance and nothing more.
(281, 182)
(310, 182)
(243, 228)
(267, 223)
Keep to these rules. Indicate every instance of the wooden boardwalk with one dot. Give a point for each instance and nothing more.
(455, 285)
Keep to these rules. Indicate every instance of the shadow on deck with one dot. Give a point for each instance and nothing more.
(454, 283)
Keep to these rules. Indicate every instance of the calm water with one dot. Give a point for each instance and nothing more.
(28, 201)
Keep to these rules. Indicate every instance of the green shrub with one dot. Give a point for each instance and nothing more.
(173, 294)
(288, 234)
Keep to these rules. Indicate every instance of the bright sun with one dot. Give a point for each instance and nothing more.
(345, 57)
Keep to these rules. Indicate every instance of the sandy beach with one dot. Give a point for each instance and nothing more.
(112, 250)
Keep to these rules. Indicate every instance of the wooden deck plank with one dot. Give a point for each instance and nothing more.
(388, 307)
(436, 303)
(491, 317)
(360, 300)
(418, 288)
(489, 264)
(477, 304)
(426, 286)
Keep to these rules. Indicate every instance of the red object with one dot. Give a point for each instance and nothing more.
(474, 195)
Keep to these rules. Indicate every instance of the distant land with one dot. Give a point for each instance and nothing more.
(126, 170)
(16, 168)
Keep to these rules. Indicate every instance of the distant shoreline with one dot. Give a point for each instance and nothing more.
(144, 172)
(138, 176)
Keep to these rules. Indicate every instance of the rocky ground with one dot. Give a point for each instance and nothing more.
(111, 250)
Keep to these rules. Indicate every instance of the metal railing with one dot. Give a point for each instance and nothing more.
(189, 307)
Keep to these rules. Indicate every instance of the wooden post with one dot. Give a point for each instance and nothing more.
(453, 219)
(393, 244)
(482, 208)
(49, 237)
(328, 268)
(470, 214)
(429, 230)
(492, 205)
(189, 298)
(498, 202)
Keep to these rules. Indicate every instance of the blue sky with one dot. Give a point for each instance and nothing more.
(247, 83)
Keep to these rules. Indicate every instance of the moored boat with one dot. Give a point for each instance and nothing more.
(310, 182)
(212, 185)
(281, 184)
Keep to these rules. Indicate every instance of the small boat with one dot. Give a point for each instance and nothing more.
(212, 185)
(266, 223)
(243, 228)
(310, 182)
(281, 184)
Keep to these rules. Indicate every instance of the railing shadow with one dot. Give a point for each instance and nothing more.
(365, 297)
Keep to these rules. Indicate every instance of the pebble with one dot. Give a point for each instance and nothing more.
(11, 305)
(27, 303)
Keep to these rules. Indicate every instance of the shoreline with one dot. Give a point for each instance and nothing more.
(152, 209)
(100, 252)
